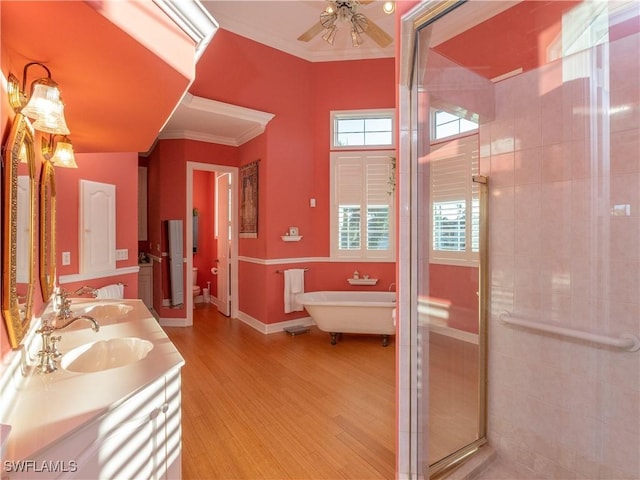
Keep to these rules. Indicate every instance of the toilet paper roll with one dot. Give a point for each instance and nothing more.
(214, 270)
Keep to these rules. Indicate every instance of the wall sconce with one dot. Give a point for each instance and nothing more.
(44, 104)
(60, 156)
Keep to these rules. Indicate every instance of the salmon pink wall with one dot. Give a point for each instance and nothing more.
(351, 85)
(167, 177)
(250, 152)
(121, 170)
(266, 79)
(510, 33)
(457, 284)
(293, 155)
(458, 287)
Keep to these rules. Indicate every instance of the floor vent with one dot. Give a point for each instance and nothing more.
(296, 330)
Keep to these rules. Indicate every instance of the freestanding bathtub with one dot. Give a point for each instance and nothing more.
(351, 312)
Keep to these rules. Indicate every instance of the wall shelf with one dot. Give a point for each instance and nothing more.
(362, 281)
(291, 238)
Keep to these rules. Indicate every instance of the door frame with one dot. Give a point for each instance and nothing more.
(233, 257)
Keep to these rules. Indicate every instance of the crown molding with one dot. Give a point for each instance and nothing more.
(207, 120)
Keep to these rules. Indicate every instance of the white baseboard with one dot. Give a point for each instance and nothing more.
(273, 327)
(174, 322)
(454, 333)
(249, 320)
(214, 301)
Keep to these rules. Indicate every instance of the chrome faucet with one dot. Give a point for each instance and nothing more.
(49, 353)
(63, 304)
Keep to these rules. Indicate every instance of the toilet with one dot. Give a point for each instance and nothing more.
(194, 283)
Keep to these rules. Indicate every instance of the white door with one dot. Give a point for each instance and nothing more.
(223, 191)
(98, 227)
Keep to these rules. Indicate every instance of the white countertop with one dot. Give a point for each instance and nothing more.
(51, 406)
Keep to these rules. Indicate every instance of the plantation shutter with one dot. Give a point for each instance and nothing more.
(454, 200)
(350, 196)
(378, 203)
(362, 215)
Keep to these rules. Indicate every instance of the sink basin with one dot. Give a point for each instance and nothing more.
(107, 311)
(106, 354)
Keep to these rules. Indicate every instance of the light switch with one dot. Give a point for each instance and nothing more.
(66, 258)
(312, 202)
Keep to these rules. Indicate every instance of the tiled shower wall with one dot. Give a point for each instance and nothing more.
(563, 158)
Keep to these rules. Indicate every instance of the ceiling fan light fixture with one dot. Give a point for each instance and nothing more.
(347, 11)
(330, 35)
(359, 23)
(356, 39)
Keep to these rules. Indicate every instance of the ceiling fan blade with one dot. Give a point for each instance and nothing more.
(312, 32)
(378, 35)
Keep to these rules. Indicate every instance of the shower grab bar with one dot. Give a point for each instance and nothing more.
(282, 271)
(625, 341)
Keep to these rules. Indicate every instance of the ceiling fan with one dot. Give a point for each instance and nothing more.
(346, 11)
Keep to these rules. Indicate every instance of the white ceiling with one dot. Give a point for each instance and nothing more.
(278, 24)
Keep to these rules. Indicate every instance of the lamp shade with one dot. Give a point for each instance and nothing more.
(63, 155)
(330, 35)
(46, 107)
(44, 97)
(53, 122)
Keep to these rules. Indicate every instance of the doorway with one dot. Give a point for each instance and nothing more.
(224, 234)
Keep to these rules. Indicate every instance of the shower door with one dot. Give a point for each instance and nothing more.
(451, 292)
(543, 99)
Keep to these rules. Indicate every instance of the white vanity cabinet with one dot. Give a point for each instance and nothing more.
(119, 422)
(138, 438)
(145, 284)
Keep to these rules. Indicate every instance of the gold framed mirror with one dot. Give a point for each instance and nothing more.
(19, 205)
(47, 229)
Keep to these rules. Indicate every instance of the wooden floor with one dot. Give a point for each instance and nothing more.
(258, 406)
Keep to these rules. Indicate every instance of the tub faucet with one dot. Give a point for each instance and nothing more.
(392, 287)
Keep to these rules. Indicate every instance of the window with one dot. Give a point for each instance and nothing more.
(362, 129)
(446, 124)
(455, 207)
(362, 213)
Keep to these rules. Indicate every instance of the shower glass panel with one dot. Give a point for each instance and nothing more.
(452, 101)
(541, 101)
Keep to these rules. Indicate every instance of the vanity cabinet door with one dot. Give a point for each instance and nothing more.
(139, 438)
(173, 425)
(145, 285)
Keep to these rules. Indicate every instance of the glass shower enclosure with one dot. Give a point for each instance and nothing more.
(524, 168)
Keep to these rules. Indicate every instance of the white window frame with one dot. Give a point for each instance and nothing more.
(361, 254)
(362, 114)
(435, 139)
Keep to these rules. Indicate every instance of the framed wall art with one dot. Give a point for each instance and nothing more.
(249, 200)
